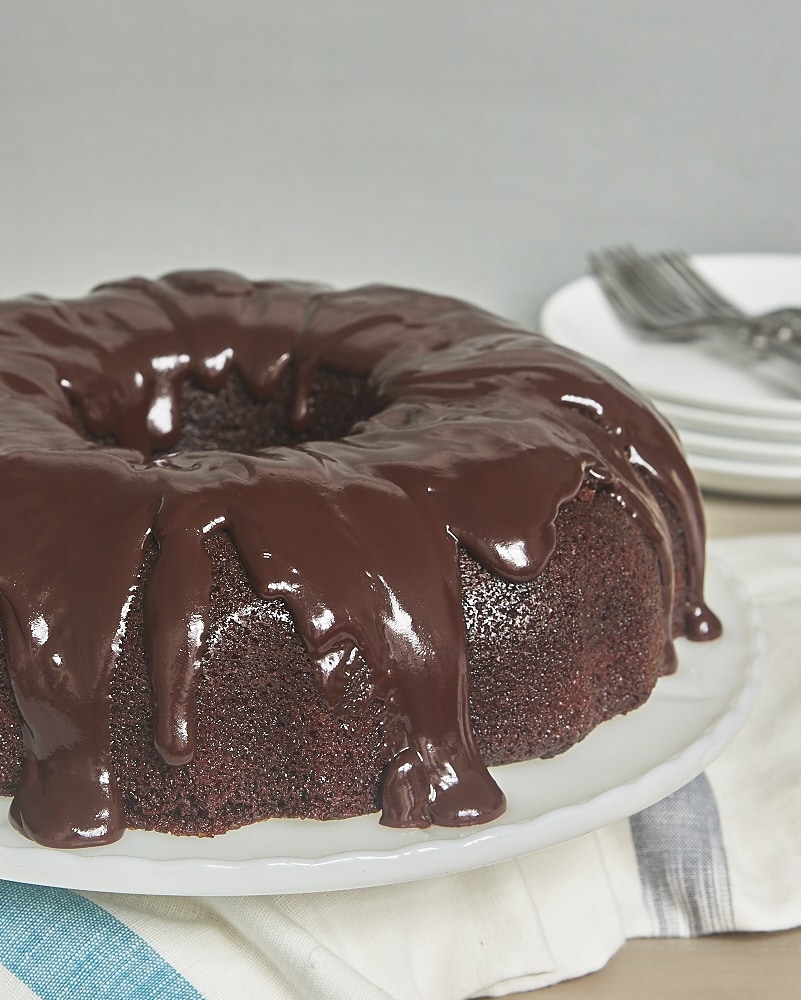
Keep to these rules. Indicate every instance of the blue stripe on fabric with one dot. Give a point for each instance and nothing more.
(682, 862)
(65, 947)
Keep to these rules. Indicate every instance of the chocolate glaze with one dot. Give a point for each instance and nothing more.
(481, 430)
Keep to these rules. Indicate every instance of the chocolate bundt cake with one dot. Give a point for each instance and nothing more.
(270, 550)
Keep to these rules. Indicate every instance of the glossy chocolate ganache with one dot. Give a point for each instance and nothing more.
(461, 437)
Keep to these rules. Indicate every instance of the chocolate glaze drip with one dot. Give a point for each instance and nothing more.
(481, 431)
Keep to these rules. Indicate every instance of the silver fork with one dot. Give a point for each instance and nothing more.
(662, 297)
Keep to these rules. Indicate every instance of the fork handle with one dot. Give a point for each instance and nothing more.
(772, 335)
(778, 333)
(775, 334)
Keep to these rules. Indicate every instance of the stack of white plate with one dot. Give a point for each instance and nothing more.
(740, 422)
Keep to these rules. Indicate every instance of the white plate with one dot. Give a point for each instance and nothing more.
(580, 317)
(622, 766)
(742, 449)
(730, 424)
(755, 479)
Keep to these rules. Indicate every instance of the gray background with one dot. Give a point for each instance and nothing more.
(474, 148)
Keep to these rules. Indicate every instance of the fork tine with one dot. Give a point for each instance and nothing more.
(645, 276)
(610, 270)
(713, 301)
(660, 289)
(671, 276)
(638, 301)
(629, 307)
(679, 300)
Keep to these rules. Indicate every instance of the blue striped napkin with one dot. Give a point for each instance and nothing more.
(723, 853)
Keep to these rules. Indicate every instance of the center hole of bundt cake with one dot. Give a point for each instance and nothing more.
(231, 419)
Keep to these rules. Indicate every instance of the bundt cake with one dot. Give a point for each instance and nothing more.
(273, 550)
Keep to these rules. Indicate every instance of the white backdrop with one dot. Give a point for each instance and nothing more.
(474, 148)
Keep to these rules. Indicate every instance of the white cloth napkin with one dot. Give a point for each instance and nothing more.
(722, 853)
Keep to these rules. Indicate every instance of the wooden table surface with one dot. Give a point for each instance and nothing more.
(721, 967)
